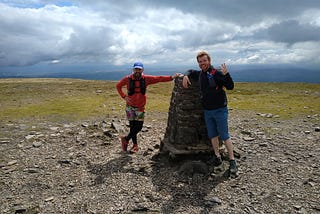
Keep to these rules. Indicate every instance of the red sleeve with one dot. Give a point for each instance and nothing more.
(120, 84)
(155, 79)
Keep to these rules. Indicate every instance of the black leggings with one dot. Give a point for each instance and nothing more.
(135, 128)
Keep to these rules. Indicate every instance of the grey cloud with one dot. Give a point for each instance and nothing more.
(292, 32)
(243, 12)
(89, 43)
(26, 40)
(118, 10)
(195, 39)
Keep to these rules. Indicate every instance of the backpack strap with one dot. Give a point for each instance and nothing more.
(213, 72)
(143, 86)
(132, 86)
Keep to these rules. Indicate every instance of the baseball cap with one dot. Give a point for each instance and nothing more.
(138, 65)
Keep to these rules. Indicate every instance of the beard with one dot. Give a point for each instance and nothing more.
(137, 75)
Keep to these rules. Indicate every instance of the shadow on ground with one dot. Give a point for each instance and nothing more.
(189, 182)
(184, 182)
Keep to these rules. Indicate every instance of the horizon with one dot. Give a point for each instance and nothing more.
(240, 73)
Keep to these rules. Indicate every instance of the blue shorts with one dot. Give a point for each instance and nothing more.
(217, 123)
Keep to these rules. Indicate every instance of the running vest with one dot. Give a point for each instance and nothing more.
(132, 86)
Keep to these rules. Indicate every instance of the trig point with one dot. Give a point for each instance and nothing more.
(186, 132)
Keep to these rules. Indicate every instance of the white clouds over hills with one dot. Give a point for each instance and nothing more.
(159, 32)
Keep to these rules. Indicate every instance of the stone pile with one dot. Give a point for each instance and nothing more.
(186, 132)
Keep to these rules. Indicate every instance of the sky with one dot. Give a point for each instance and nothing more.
(116, 33)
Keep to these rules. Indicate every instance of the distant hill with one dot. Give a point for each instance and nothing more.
(239, 74)
(276, 75)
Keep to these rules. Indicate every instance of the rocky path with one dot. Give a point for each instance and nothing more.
(79, 168)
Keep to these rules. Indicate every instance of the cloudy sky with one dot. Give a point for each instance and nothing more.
(158, 33)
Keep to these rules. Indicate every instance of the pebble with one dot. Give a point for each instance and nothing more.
(28, 137)
(54, 128)
(267, 115)
(214, 200)
(297, 207)
(117, 126)
(19, 209)
(13, 162)
(8, 171)
(248, 138)
(49, 199)
(4, 140)
(85, 125)
(36, 144)
(31, 170)
(263, 144)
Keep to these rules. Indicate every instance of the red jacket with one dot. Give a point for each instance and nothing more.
(137, 99)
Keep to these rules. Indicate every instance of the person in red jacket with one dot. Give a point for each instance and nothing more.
(135, 98)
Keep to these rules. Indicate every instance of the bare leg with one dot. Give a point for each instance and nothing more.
(215, 146)
(229, 146)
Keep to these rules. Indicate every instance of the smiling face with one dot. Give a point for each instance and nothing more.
(137, 72)
(204, 62)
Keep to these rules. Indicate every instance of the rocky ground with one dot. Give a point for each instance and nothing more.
(79, 168)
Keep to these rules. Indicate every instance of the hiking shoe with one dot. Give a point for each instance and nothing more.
(233, 167)
(124, 144)
(216, 160)
(134, 149)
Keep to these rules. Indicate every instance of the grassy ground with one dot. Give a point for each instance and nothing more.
(72, 99)
(284, 99)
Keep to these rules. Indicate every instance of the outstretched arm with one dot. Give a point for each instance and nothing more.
(155, 79)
